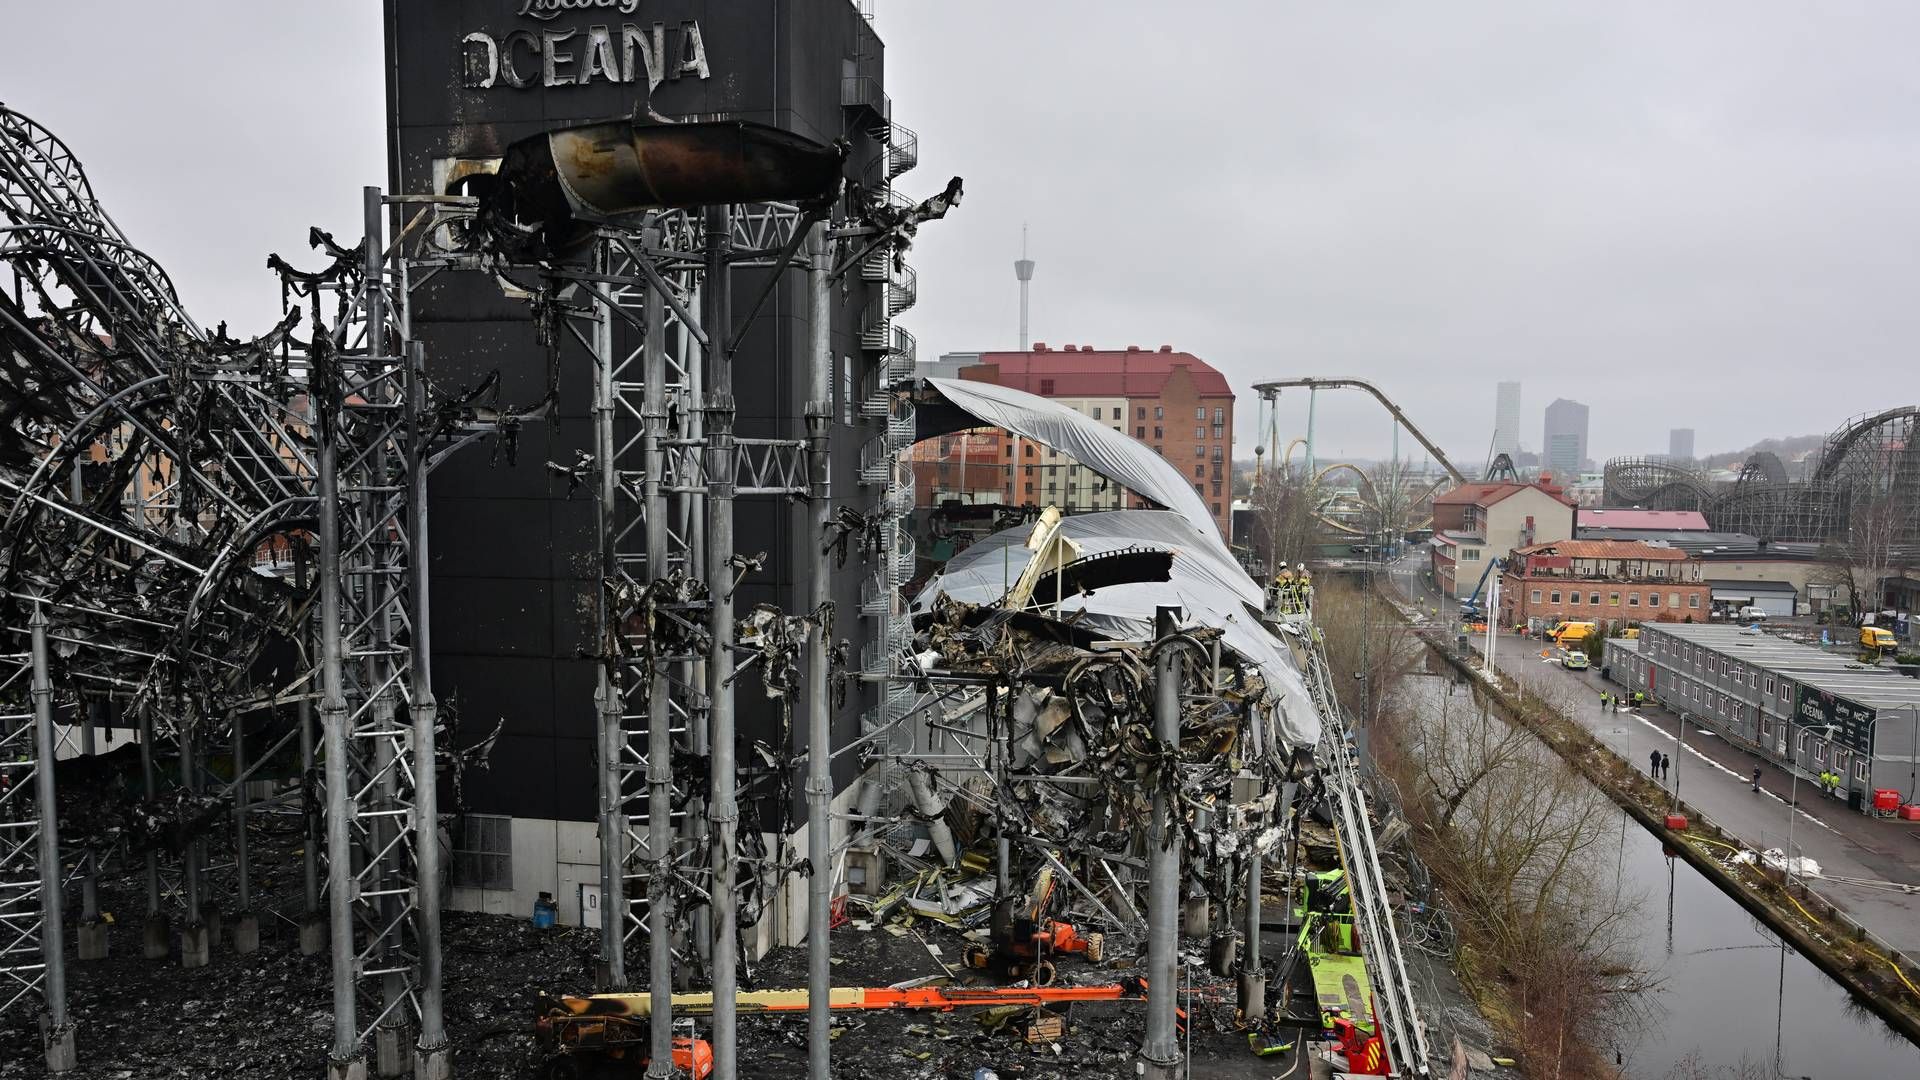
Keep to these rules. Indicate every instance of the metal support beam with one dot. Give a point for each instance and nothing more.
(660, 870)
(345, 1059)
(819, 695)
(723, 814)
(58, 1037)
(432, 1056)
(607, 693)
(1160, 1051)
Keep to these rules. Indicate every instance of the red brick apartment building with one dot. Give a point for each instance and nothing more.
(1172, 401)
(1602, 580)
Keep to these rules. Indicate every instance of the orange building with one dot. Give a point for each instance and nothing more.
(1602, 581)
(1172, 401)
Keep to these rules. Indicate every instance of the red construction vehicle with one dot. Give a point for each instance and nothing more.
(1021, 941)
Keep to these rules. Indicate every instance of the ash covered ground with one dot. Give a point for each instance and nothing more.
(269, 1015)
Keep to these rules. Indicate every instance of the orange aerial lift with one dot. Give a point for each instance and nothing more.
(613, 1026)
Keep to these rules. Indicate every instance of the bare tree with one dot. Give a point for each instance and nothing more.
(1287, 528)
(1861, 562)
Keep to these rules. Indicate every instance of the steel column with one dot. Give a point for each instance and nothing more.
(345, 1058)
(723, 813)
(59, 1031)
(660, 872)
(432, 1058)
(607, 690)
(1160, 1052)
(819, 695)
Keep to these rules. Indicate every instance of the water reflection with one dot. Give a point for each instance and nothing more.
(1715, 968)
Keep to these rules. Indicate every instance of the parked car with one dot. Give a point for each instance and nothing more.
(1574, 661)
(1752, 614)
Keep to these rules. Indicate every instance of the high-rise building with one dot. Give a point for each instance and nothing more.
(1506, 419)
(1680, 444)
(1563, 446)
(1173, 401)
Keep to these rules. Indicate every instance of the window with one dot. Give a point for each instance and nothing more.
(1673, 599)
(1783, 689)
(1573, 599)
(1140, 413)
(1766, 729)
(1556, 596)
(1840, 761)
(1200, 469)
(1633, 599)
(1694, 601)
(1613, 599)
(1159, 433)
(1199, 451)
(1096, 412)
(1200, 413)
(1820, 752)
(1860, 769)
(1029, 487)
(1140, 432)
(1219, 415)
(1046, 387)
(1216, 509)
(1753, 680)
(1653, 599)
(483, 851)
(1219, 432)
(1216, 494)
(1199, 489)
(1029, 470)
(1535, 597)
(1216, 453)
(1593, 599)
(1159, 413)
(1769, 684)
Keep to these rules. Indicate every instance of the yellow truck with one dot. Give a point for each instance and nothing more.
(1878, 639)
(1567, 635)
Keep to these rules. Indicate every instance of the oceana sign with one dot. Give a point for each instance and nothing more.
(582, 56)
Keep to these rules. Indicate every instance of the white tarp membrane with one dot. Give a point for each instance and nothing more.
(1132, 465)
(1207, 584)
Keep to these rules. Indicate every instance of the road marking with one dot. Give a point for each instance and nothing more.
(1729, 772)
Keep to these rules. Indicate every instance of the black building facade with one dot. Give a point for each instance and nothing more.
(514, 558)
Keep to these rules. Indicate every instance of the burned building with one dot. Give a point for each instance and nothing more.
(516, 545)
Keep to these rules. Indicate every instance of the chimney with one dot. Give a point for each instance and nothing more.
(1039, 346)
(1166, 348)
(1133, 348)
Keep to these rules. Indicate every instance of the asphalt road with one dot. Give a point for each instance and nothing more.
(1716, 777)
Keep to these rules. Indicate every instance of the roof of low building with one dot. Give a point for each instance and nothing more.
(1606, 549)
(1489, 492)
(1084, 371)
(1607, 517)
(1754, 588)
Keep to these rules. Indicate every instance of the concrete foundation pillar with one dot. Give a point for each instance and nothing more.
(210, 916)
(313, 935)
(58, 1043)
(156, 939)
(434, 1064)
(93, 940)
(391, 1054)
(246, 933)
(196, 945)
(350, 1069)
(1253, 996)
(1196, 916)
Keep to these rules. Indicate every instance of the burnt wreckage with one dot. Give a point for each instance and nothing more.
(220, 544)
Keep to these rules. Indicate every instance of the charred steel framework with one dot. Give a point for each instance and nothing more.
(167, 490)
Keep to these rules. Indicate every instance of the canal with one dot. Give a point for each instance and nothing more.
(1730, 1000)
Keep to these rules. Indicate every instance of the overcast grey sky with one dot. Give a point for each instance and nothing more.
(1698, 214)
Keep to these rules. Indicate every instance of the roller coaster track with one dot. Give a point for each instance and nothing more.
(1271, 390)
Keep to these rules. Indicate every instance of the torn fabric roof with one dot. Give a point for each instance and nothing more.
(1205, 582)
(1123, 460)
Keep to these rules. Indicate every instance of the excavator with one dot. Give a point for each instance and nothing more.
(1021, 941)
(584, 1034)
